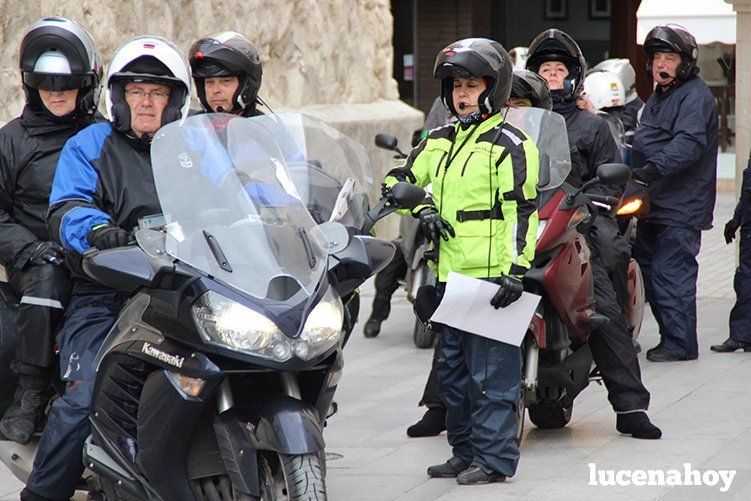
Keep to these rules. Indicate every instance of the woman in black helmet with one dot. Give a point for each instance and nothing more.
(227, 73)
(61, 74)
(557, 58)
(484, 174)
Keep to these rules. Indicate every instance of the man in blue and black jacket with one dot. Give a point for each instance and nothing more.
(102, 186)
(675, 154)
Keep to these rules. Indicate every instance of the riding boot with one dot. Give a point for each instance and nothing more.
(381, 310)
(26, 414)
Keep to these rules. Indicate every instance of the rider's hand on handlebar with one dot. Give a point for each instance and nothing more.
(510, 289)
(730, 228)
(107, 236)
(645, 175)
(434, 226)
(47, 253)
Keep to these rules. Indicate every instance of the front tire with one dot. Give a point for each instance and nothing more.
(291, 477)
(550, 415)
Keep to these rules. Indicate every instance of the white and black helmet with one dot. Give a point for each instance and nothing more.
(623, 69)
(604, 90)
(151, 59)
(59, 54)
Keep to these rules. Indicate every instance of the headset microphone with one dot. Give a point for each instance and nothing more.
(464, 106)
(664, 74)
(219, 109)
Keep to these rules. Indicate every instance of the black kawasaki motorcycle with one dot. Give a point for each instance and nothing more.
(216, 380)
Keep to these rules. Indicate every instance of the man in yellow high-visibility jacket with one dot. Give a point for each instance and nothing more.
(484, 175)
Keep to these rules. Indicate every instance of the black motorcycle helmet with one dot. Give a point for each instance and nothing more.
(673, 38)
(475, 57)
(225, 54)
(59, 54)
(555, 45)
(529, 85)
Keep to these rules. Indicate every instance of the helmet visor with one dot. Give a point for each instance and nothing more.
(50, 82)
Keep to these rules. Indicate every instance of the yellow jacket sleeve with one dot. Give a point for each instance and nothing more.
(519, 205)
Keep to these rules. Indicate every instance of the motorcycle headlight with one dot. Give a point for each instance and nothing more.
(322, 329)
(227, 323)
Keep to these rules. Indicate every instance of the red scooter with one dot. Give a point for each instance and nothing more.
(557, 363)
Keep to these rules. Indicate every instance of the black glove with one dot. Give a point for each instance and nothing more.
(107, 236)
(47, 253)
(730, 228)
(434, 226)
(510, 289)
(645, 175)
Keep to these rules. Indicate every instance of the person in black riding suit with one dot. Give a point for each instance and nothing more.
(557, 58)
(61, 74)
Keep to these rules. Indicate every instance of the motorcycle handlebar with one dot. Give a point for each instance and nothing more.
(613, 202)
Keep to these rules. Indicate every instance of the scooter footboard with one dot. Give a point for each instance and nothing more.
(571, 374)
(276, 423)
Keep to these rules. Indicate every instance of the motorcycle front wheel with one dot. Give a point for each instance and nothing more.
(291, 477)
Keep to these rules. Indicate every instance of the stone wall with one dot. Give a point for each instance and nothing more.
(313, 52)
(333, 58)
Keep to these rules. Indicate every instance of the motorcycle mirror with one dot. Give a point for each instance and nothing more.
(613, 174)
(386, 141)
(407, 195)
(334, 236)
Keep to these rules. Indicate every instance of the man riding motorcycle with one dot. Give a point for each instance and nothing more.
(61, 74)
(227, 72)
(557, 58)
(102, 186)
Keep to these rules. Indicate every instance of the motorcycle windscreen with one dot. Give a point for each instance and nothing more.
(548, 131)
(231, 208)
(325, 165)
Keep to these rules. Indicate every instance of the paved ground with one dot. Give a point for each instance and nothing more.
(700, 405)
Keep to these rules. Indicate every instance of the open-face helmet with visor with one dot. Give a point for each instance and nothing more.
(58, 54)
(556, 45)
(673, 38)
(150, 59)
(225, 54)
(475, 57)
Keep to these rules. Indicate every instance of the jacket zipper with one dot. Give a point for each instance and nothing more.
(438, 169)
(464, 167)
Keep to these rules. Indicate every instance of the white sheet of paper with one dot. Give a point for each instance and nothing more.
(466, 306)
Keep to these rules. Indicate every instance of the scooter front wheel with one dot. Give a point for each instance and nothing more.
(548, 415)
